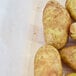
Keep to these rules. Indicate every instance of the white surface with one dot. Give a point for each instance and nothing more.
(14, 26)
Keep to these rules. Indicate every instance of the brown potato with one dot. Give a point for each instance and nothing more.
(71, 7)
(68, 56)
(73, 31)
(71, 74)
(47, 62)
(56, 21)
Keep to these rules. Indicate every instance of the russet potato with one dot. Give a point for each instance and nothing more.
(71, 74)
(56, 22)
(47, 62)
(73, 31)
(71, 7)
(68, 55)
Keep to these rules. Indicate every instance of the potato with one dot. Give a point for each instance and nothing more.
(71, 74)
(73, 31)
(56, 22)
(71, 7)
(68, 56)
(47, 62)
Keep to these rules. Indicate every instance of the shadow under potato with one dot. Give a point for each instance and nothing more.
(71, 42)
(66, 69)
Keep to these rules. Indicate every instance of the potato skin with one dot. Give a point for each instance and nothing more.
(47, 62)
(68, 56)
(71, 7)
(73, 31)
(71, 74)
(56, 22)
